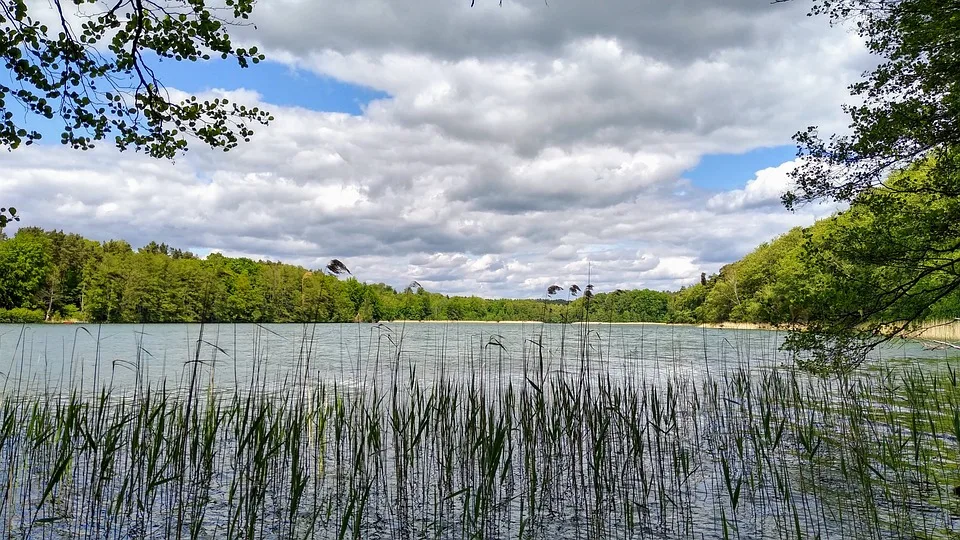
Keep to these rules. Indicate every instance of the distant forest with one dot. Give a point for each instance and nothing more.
(55, 276)
(52, 275)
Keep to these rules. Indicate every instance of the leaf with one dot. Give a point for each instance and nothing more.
(62, 464)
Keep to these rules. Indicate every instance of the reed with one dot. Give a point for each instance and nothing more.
(742, 452)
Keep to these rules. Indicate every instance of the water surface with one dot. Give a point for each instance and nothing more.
(235, 356)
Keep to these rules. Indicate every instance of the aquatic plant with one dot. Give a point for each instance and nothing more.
(744, 451)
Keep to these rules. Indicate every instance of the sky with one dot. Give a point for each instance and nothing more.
(492, 150)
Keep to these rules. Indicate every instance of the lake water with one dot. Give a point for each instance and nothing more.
(44, 358)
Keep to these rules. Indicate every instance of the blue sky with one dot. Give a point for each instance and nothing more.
(732, 171)
(277, 83)
(288, 86)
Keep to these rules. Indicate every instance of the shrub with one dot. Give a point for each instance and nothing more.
(69, 312)
(21, 315)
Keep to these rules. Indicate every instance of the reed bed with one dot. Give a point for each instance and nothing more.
(554, 453)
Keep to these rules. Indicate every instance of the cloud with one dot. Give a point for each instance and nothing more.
(519, 147)
(764, 190)
(596, 91)
(675, 31)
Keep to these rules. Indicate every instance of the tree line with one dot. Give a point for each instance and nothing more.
(53, 276)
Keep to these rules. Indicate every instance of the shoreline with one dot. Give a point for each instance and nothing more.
(721, 325)
(936, 330)
(718, 326)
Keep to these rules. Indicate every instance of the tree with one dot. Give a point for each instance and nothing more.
(901, 246)
(90, 66)
(7, 215)
(911, 102)
(24, 265)
(63, 288)
(893, 261)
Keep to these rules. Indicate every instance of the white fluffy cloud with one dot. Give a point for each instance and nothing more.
(762, 191)
(517, 145)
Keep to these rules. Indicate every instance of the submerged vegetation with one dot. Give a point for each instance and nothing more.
(559, 447)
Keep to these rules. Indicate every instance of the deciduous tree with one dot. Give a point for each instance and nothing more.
(90, 66)
(899, 253)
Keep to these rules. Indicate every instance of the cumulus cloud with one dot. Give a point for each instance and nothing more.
(763, 190)
(519, 146)
(596, 91)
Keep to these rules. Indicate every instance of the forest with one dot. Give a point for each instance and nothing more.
(55, 276)
(888, 260)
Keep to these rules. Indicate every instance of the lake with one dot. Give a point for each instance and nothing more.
(231, 356)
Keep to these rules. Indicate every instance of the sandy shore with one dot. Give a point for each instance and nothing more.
(723, 325)
(726, 325)
(748, 326)
(401, 321)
